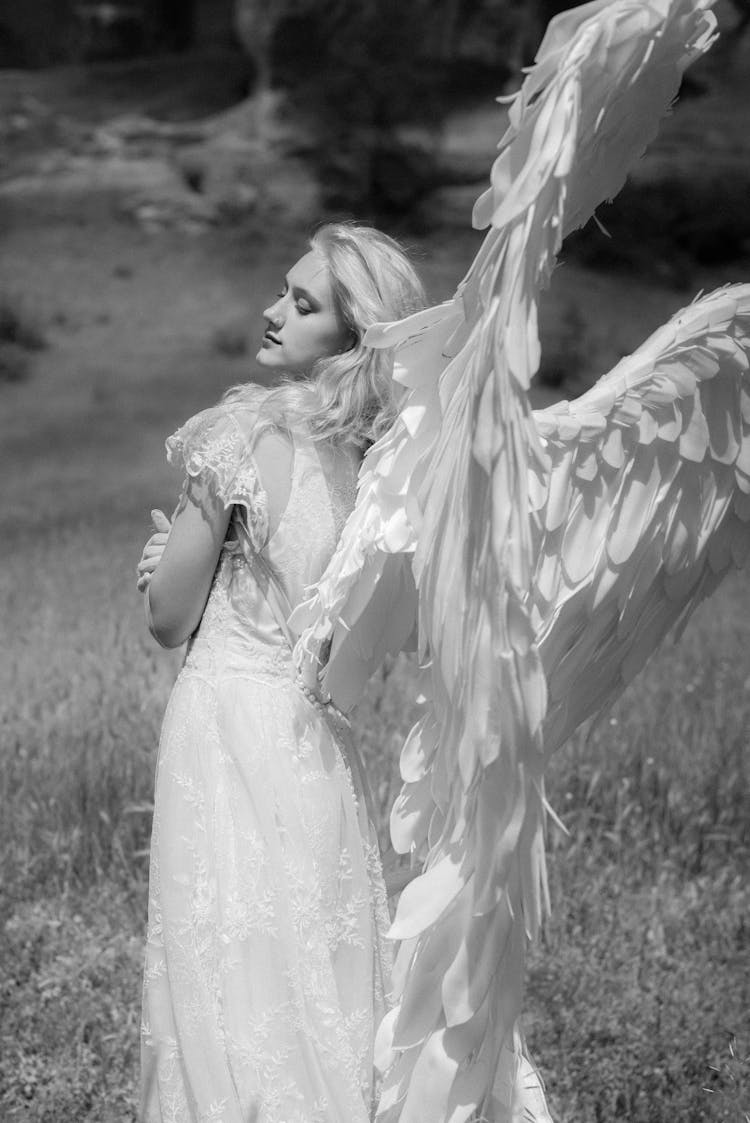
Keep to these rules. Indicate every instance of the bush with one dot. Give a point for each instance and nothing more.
(20, 333)
(18, 325)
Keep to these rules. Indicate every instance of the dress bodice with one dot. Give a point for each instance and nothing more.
(239, 628)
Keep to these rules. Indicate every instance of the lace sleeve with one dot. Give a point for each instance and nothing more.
(215, 446)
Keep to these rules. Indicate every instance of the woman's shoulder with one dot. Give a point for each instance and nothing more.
(216, 445)
(232, 419)
(243, 407)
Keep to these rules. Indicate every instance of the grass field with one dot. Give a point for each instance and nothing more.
(639, 992)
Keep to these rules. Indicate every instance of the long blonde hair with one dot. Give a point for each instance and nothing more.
(351, 397)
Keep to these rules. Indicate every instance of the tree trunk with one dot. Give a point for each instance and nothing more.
(255, 22)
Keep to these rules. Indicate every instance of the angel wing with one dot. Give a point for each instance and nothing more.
(477, 491)
(650, 473)
(642, 507)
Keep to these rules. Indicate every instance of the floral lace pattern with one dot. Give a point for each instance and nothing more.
(215, 445)
(267, 970)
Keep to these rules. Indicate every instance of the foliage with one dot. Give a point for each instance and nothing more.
(357, 73)
(681, 222)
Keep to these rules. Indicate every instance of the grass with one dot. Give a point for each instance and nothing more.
(640, 989)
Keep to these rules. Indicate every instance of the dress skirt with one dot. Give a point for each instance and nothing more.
(266, 965)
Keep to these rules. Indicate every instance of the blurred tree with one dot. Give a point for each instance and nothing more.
(360, 70)
(255, 22)
(743, 9)
(176, 20)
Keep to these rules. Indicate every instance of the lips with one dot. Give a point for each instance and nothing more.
(269, 337)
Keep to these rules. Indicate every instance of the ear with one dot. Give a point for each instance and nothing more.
(351, 343)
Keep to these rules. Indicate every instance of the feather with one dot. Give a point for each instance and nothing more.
(422, 1001)
(384, 1055)
(723, 422)
(611, 450)
(468, 977)
(434, 1072)
(418, 749)
(732, 355)
(558, 495)
(634, 510)
(745, 403)
(648, 427)
(682, 536)
(694, 436)
(427, 897)
(742, 463)
(581, 545)
(399, 1077)
(548, 572)
(670, 424)
(678, 374)
(702, 362)
(632, 599)
(410, 814)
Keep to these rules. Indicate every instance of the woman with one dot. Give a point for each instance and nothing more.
(266, 968)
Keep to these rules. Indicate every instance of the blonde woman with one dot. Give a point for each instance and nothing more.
(266, 967)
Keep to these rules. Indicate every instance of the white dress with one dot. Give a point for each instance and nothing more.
(267, 970)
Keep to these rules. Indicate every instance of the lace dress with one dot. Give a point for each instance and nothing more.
(266, 966)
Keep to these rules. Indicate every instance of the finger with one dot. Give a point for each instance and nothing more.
(160, 521)
(149, 561)
(156, 542)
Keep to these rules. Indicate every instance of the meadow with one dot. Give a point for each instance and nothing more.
(638, 1002)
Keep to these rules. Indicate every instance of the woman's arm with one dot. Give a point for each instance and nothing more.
(179, 586)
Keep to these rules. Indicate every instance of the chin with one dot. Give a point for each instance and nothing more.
(266, 358)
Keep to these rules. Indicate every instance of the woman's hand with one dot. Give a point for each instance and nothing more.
(153, 549)
(182, 568)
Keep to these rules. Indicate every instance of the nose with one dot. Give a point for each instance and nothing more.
(274, 314)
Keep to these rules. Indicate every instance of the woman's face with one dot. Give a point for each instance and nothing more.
(303, 325)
